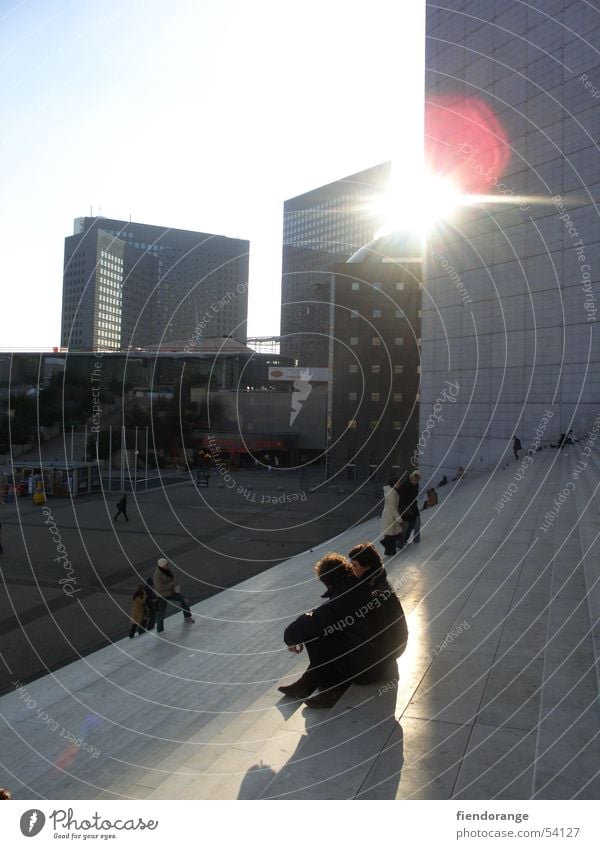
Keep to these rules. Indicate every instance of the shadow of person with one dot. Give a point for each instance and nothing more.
(254, 782)
(338, 754)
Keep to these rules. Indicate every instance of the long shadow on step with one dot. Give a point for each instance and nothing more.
(334, 759)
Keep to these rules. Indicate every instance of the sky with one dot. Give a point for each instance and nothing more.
(199, 114)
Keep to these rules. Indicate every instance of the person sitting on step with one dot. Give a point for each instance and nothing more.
(340, 636)
(392, 631)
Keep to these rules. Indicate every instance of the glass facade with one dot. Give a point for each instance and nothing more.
(320, 229)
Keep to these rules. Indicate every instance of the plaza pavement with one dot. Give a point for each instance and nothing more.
(498, 689)
(68, 571)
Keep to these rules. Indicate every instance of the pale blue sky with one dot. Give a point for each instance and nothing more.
(201, 114)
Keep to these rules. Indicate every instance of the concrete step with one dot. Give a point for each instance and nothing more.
(197, 714)
(589, 529)
(567, 752)
(499, 759)
(243, 756)
(333, 758)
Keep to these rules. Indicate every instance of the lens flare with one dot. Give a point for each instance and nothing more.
(465, 142)
(417, 202)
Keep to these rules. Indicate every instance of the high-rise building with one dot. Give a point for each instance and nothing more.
(511, 285)
(373, 404)
(321, 228)
(129, 284)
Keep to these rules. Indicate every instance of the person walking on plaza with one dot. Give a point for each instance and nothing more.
(391, 522)
(516, 446)
(339, 636)
(392, 631)
(122, 507)
(408, 505)
(167, 590)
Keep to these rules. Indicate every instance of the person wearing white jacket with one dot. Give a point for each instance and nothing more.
(167, 590)
(391, 521)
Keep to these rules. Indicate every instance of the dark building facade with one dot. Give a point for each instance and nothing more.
(321, 228)
(220, 396)
(129, 284)
(375, 361)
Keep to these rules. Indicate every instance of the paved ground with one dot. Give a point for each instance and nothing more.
(498, 690)
(216, 538)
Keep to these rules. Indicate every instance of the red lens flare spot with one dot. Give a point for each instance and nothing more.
(67, 757)
(465, 141)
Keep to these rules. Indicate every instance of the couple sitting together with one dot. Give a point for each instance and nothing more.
(355, 636)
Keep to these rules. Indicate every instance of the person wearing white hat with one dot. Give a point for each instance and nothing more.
(167, 590)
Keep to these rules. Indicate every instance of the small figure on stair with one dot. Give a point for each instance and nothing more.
(516, 446)
(139, 612)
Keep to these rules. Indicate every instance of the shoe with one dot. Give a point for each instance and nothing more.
(326, 698)
(189, 620)
(300, 689)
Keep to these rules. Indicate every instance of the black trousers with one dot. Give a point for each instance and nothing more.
(331, 663)
(122, 510)
(389, 543)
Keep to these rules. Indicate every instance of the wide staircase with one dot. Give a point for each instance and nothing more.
(497, 695)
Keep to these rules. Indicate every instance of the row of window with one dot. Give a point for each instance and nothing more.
(352, 424)
(378, 314)
(375, 369)
(397, 397)
(376, 341)
(355, 286)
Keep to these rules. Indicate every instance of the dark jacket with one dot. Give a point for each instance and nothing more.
(392, 631)
(346, 618)
(408, 495)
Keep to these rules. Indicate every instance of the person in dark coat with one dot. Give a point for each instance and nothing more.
(408, 505)
(122, 507)
(516, 446)
(392, 630)
(338, 635)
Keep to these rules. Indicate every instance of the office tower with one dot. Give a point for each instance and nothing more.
(138, 284)
(510, 298)
(373, 409)
(321, 228)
